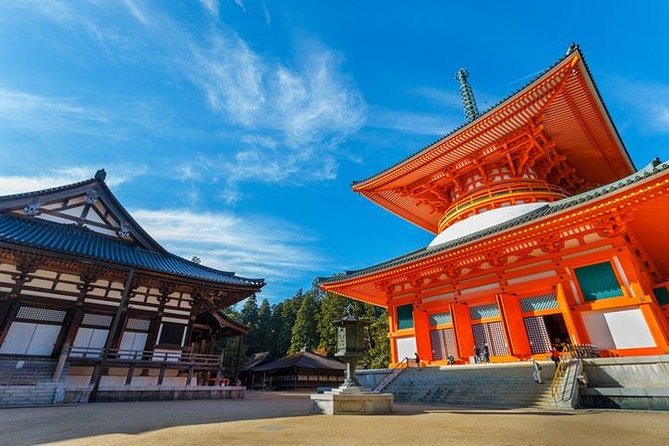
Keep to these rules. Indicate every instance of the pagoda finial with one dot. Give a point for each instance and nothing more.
(100, 175)
(471, 111)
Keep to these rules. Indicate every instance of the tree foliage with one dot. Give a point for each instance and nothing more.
(305, 320)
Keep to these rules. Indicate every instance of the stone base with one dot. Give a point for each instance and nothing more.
(352, 402)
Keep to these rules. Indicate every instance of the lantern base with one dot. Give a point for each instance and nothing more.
(352, 400)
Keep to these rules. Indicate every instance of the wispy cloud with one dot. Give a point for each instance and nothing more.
(412, 123)
(447, 98)
(211, 6)
(117, 175)
(649, 99)
(240, 4)
(253, 246)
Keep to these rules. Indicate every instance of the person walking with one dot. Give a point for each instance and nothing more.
(417, 361)
(536, 372)
(555, 356)
(486, 352)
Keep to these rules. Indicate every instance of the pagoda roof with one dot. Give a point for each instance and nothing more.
(77, 240)
(574, 117)
(651, 170)
(301, 360)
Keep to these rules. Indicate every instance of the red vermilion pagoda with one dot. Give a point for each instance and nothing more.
(545, 232)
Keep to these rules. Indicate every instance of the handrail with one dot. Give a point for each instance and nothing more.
(572, 352)
(117, 354)
(565, 359)
(396, 370)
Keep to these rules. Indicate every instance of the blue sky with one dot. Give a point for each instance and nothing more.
(232, 129)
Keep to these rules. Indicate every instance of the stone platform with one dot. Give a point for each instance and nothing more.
(352, 401)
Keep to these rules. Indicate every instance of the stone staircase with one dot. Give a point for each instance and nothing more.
(507, 385)
(29, 383)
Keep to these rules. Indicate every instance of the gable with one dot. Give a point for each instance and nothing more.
(89, 204)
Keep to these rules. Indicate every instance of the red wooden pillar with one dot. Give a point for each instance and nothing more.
(463, 330)
(512, 318)
(421, 323)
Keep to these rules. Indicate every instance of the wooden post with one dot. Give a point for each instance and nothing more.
(219, 369)
(125, 298)
(62, 358)
(131, 372)
(190, 375)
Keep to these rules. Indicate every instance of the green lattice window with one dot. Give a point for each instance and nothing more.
(598, 281)
(405, 316)
(662, 295)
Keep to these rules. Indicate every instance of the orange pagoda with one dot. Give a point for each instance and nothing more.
(545, 233)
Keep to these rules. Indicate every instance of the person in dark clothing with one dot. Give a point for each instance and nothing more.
(477, 354)
(486, 352)
(417, 361)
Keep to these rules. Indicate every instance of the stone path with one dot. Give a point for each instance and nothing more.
(277, 419)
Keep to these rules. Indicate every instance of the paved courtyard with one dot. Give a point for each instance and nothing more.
(277, 419)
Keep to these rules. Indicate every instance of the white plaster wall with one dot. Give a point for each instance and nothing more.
(406, 348)
(483, 221)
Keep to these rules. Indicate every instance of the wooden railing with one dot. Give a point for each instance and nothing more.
(146, 356)
(396, 370)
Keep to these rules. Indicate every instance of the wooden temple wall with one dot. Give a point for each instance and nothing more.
(510, 304)
(51, 309)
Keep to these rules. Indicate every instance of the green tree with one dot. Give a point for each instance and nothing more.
(265, 335)
(304, 332)
(333, 308)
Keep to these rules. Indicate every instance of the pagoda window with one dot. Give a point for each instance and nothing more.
(598, 281)
(171, 334)
(405, 316)
(662, 295)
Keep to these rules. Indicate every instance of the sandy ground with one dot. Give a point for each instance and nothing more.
(278, 419)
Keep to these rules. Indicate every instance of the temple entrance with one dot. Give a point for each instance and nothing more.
(557, 329)
(545, 331)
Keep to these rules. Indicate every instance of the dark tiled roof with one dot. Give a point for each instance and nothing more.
(82, 242)
(302, 360)
(651, 169)
(572, 50)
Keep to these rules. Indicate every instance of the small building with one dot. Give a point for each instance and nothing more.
(544, 232)
(300, 371)
(85, 290)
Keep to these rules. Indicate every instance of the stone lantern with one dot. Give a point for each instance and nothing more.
(350, 344)
(350, 398)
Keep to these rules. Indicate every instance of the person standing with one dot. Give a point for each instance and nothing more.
(555, 356)
(417, 361)
(477, 354)
(486, 352)
(536, 372)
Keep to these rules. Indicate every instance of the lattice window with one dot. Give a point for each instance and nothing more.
(598, 281)
(41, 314)
(96, 320)
(493, 334)
(440, 318)
(405, 316)
(483, 311)
(138, 324)
(543, 302)
(443, 343)
(538, 334)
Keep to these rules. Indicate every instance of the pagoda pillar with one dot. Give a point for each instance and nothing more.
(421, 322)
(574, 324)
(463, 330)
(512, 318)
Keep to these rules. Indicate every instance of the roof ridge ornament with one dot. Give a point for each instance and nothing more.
(572, 47)
(100, 175)
(468, 101)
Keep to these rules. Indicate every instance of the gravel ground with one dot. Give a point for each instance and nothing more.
(283, 418)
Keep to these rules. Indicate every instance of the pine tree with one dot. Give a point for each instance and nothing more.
(304, 332)
(265, 328)
(333, 308)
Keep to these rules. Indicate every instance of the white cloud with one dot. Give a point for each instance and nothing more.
(240, 4)
(211, 6)
(117, 175)
(412, 123)
(650, 99)
(252, 246)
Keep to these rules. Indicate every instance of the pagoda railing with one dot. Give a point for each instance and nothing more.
(528, 190)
